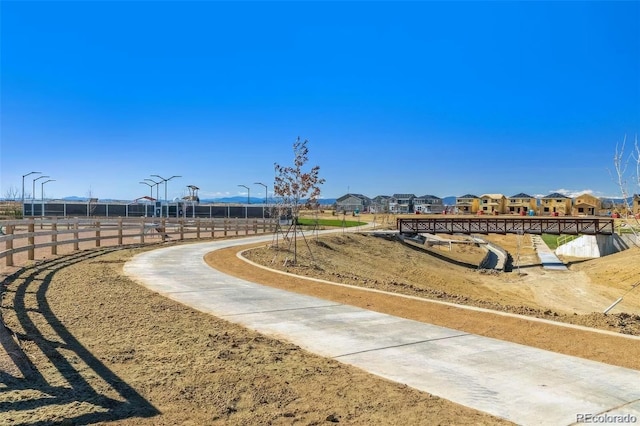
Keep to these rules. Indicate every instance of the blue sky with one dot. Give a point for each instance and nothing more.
(442, 98)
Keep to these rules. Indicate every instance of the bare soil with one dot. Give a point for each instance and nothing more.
(100, 348)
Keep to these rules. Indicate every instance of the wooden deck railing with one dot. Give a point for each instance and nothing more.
(29, 235)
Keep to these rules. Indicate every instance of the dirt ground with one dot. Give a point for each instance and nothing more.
(99, 348)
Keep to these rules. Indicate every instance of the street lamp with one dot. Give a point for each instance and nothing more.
(24, 176)
(165, 189)
(248, 193)
(265, 196)
(33, 193)
(157, 185)
(42, 193)
(150, 187)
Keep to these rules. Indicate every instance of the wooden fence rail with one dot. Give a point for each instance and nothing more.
(19, 236)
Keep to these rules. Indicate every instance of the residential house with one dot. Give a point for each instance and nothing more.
(401, 203)
(636, 205)
(521, 203)
(555, 204)
(428, 204)
(493, 204)
(467, 204)
(352, 203)
(586, 204)
(379, 204)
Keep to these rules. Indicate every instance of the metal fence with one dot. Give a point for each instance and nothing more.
(158, 209)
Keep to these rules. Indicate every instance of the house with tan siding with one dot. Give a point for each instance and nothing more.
(586, 204)
(467, 204)
(636, 205)
(521, 203)
(555, 204)
(493, 203)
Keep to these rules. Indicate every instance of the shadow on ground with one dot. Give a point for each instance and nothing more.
(75, 387)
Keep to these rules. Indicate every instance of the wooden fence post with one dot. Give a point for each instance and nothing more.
(225, 227)
(76, 234)
(197, 228)
(213, 228)
(119, 231)
(142, 223)
(9, 245)
(163, 228)
(31, 239)
(54, 237)
(97, 234)
(181, 226)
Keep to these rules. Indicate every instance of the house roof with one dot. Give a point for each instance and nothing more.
(585, 205)
(398, 196)
(491, 196)
(468, 196)
(360, 196)
(521, 195)
(555, 195)
(430, 196)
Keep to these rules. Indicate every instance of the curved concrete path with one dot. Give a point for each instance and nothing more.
(515, 382)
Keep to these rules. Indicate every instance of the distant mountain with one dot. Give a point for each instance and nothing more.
(74, 198)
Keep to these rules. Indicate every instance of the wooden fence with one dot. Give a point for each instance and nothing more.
(29, 235)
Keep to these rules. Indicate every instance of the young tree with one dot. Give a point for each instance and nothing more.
(621, 164)
(297, 188)
(622, 177)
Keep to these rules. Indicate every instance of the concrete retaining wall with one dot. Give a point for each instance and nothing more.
(594, 246)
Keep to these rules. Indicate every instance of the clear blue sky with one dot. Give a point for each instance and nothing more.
(419, 97)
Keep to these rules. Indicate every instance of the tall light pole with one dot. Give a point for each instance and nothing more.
(42, 193)
(248, 193)
(150, 187)
(157, 185)
(165, 189)
(265, 196)
(33, 193)
(24, 176)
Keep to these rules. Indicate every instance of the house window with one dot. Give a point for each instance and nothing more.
(546, 209)
(580, 210)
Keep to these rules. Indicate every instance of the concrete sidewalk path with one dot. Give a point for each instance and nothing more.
(547, 257)
(525, 385)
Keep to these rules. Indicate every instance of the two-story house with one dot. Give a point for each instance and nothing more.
(352, 203)
(401, 203)
(428, 204)
(467, 204)
(493, 203)
(379, 204)
(636, 205)
(586, 204)
(521, 203)
(555, 204)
